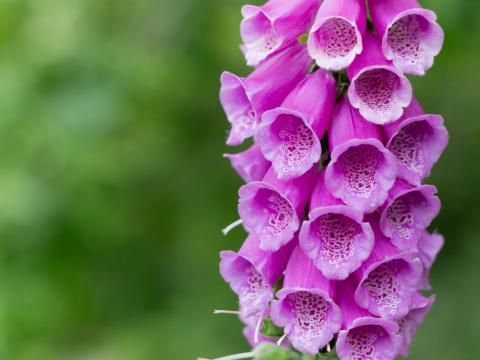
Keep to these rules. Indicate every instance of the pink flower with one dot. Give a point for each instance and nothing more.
(290, 135)
(409, 323)
(251, 274)
(269, 28)
(336, 36)
(335, 237)
(364, 336)
(410, 35)
(408, 212)
(417, 140)
(246, 99)
(378, 90)
(305, 306)
(272, 209)
(388, 279)
(429, 246)
(361, 170)
(250, 164)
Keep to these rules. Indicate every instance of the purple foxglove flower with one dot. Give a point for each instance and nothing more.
(305, 307)
(377, 88)
(409, 323)
(289, 136)
(410, 35)
(272, 209)
(251, 274)
(250, 164)
(335, 237)
(388, 279)
(417, 141)
(363, 336)
(361, 170)
(268, 28)
(408, 212)
(428, 248)
(246, 99)
(336, 35)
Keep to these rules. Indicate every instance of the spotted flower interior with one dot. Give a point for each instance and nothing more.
(413, 41)
(368, 343)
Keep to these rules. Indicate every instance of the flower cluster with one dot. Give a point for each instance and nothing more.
(338, 252)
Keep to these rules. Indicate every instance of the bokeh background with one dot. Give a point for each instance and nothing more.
(113, 189)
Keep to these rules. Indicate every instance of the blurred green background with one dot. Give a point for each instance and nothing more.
(113, 189)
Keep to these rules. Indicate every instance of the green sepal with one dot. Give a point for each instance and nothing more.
(302, 39)
(269, 329)
(332, 355)
(267, 351)
(278, 285)
(322, 356)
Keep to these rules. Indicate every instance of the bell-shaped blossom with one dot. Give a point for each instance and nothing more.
(361, 170)
(268, 28)
(305, 307)
(251, 274)
(364, 336)
(408, 212)
(290, 135)
(245, 99)
(417, 141)
(377, 88)
(335, 237)
(388, 279)
(250, 164)
(428, 248)
(336, 35)
(409, 323)
(272, 209)
(410, 34)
